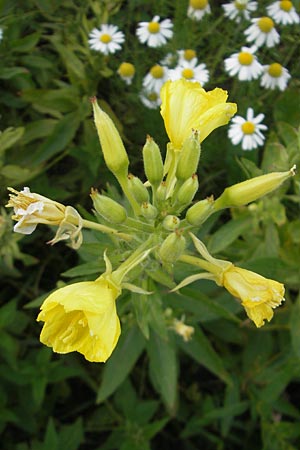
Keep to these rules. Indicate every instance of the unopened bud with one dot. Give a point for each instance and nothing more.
(108, 208)
(189, 157)
(138, 189)
(200, 211)
(187, 191)
(172, 247)
(250, 190)
(161, 192)
(153, 164)
(114, 152)
(148, 211)
(171, 223)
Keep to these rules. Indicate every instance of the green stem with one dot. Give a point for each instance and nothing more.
(138, 225)
(123, 181)
(198, 262)
(171, 177)
(104, 229)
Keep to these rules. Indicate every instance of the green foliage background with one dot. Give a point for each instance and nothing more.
(232, 386)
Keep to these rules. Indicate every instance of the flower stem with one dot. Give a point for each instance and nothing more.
(198, 262)
(105, 229)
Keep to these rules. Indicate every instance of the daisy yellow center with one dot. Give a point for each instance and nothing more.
(187, 73)
(240, 6)
(157, 71)
(126, 69)
(153, 27)
(275, 70)
(189, 54)
(245, 58)
(265, 24)
(286, 6)
(198, 4)
(152, 96)
(248, 127)
(105, 38)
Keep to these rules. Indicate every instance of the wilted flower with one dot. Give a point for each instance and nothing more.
(82, 317)
(262, 31)
(244, 64)
(106, 39)
(275, 76)
(183, 330)
(247, 131)
(155, 33)
(126, 71)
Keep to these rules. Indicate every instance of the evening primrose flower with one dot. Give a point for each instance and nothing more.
(191, 71)
(187, 106)
(155, 33)
(239, 9)
(107, 39)
(126, 71)
(259, 295)
(247, 131)
(244, 64)
(262, 31)
(155, 78)
(275, 76)
(82, 317)
(197, 9)
(283, 12)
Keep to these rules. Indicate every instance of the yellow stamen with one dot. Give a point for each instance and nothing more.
(286, 5)
(248, 127)
(105, 38)
(153, 27)
(275, 70)
(240, 5)
(189, 54)
(157, 71)
(187, 73)
(265, 24)
(19, 200)
(198, 4)
(245, 58)
(152, 96)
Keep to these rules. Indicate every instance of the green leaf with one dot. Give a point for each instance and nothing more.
(295, 327)
(51, 437)
(9, 137)
(227, 234)
(119, 365)
(71, 436)
(10, 72)
(26, 43)
(163, 369)
(201, 350)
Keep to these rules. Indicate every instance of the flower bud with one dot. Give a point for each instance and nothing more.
(138, 189)
(172, 247)
(200, 211)
(153, 165)
(171, 223)
(161, 192)
(114, 152)
(189, 157)
(250, 190)
(148, 211)
(187, 191)
(108, 208)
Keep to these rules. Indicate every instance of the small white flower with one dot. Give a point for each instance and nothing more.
(1, 34)
(283, 12)
(247, 131)
(262, 31)
(187, 55)
(191, 72)
(244, 64)
(239, 9)
(155, 33)
(169, 60)
(275, 76)
(151, 100)
(156, 77)
(126, 71)
(197, 9)
(107, 39)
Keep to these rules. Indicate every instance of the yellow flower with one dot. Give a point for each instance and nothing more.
(82, 317)
(187, 106)
(259, 295)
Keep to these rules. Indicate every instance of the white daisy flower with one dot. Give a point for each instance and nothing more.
(107, 39)
(155, 78)
(239, 9)
(244, 64)
(275, 76)
(197, 9)
(151, 100)
(126, 71)
(283, 12)
(247, 131)
(187, 55)
(155, 33)
(262, 31)
(191, 72)
(169, 60)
